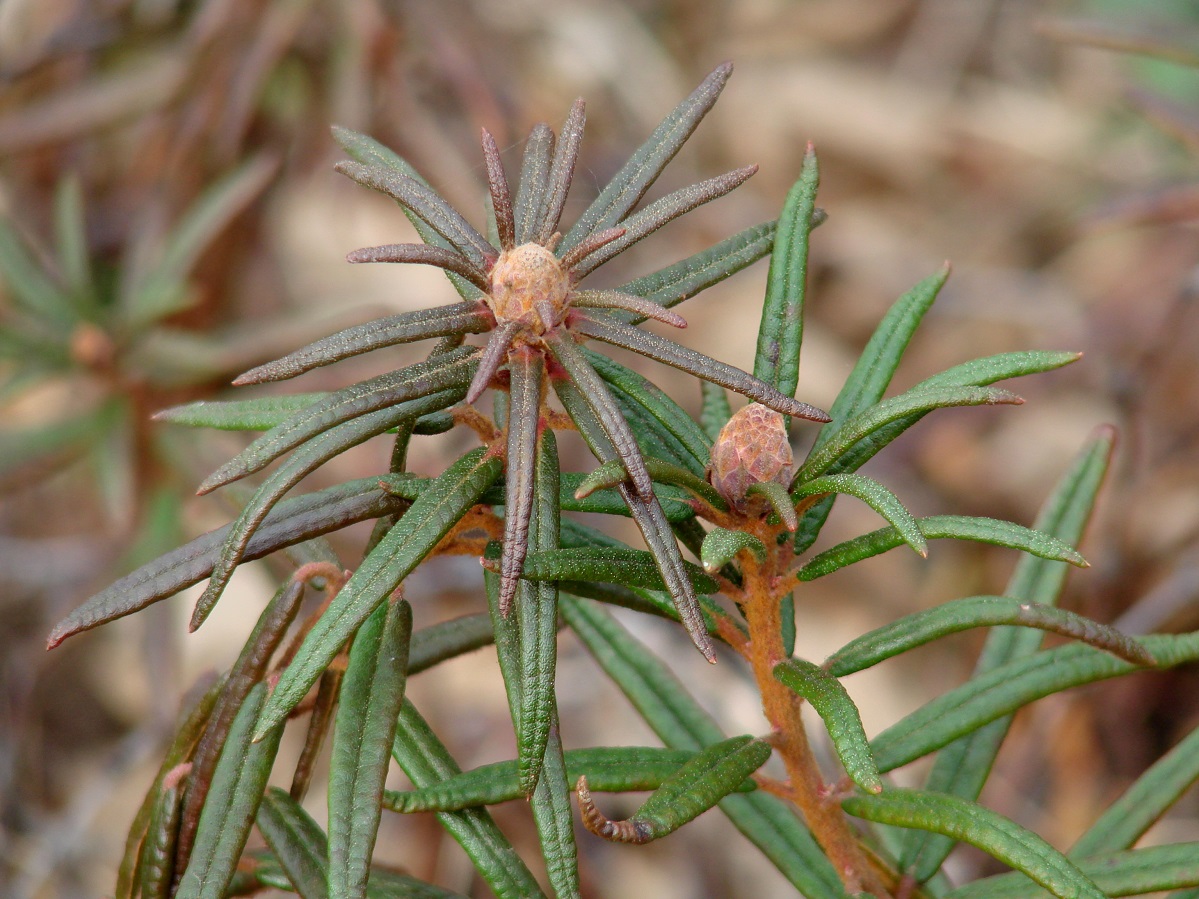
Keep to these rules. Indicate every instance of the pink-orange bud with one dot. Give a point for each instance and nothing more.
(750, 449)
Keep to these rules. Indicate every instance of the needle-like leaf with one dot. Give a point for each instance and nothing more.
(534, 175)
(638, 306)
(501, 196)
(524, 415)
(428, 206)
(840, 716)
(629, 184)
(292, 521)
(447, 371)
(412, 538)
(670, 353)
(958, 615)
(990, 832)
(422, 254)
(308, 458)
(648, 220)
(469, 317)
(562, 170)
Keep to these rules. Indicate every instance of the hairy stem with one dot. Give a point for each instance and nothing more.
(808, 790)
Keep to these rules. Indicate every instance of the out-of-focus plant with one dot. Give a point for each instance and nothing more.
(726, 487)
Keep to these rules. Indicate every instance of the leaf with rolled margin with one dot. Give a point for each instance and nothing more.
(237, 786)
(290, 522)
(368, 705)
(561, 172)
(468, 317)
(427, 762)
(628, 186)
(906, 405)
(875, 495)
(839, 714)
(409, 541)
(524, 418)
(448, 639)
(299, 844)
(249, 669)
(780, 333)
(534, 178)
(963, 767)
(722, 545)
(612, 474)
(258, 414)
(979, 611)
(630, 567)
(608, 769)
(1153, 869)
(670, 353)
(682, 280)
(937, 527)
(189, 726)
(696, 786)
(646, 221)
(681, 723)
(416, 195)
(436, 375)
(300, 464)
(1004, 689)
(992, 833)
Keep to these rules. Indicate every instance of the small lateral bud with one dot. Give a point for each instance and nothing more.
(751, 449)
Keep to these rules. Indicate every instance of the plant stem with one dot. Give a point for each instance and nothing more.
(782, 709)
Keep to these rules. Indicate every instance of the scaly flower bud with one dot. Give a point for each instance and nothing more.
(750, 449)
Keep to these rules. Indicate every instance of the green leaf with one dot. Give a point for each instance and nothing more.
(992, 833)
(914, 402)
(780, 501)
(608, 769)
(151, 294)
(439, 374)
(979, 611)
(694, 788)
(258, 414)
(407, 327)
(156, 865)
(839, 714)
(629, 184)
(647, 513)
(297, 841)
(672, 425)
(232, 803)
(1128, 818)
(537, 618)
(684, 279)
(1001, 690)
(722, 545)
(630, 567)
(874, 495)
(427, 762)
(250, 668)
(681, 723)
(300, 464)
(534, 176)
(780, 333)
(938, 527)
(1133, 873)
(962, 768)
(369, 703)
(715, 410)
(412, 538)
(870, 378)
(292, 521)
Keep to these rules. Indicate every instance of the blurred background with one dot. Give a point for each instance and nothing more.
(169, 217)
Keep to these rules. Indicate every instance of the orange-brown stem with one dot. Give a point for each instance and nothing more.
(760, 603)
